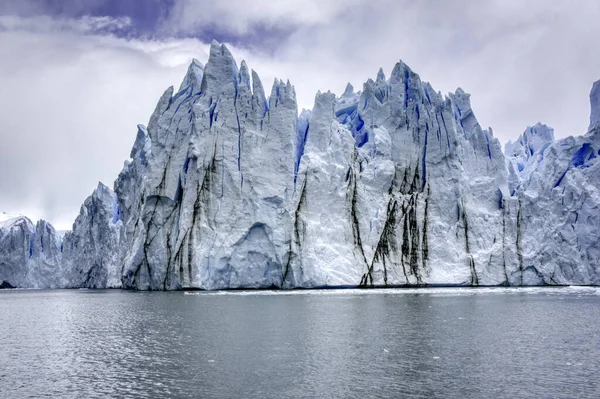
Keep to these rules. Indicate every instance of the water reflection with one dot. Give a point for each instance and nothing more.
(336, 344)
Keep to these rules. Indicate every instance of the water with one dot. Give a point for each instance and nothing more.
(446, 343)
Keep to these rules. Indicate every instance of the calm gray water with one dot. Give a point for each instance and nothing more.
(459, 343)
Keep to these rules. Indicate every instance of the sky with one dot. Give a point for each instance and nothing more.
(77, 76)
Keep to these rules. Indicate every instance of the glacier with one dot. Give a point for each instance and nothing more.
(393, 185)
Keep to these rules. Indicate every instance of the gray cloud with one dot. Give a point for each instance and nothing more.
(240, 16)
(45, 24)
(69, 108)
(70, 101)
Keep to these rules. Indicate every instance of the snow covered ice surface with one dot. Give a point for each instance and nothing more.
(394, 185)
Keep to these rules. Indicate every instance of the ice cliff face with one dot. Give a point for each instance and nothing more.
(558, 193)
(392, 185)
(30, 254)
(92, 252)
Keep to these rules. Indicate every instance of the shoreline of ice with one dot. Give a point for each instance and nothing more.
(436, 291)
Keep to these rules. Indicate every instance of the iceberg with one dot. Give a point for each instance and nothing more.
(393, 185)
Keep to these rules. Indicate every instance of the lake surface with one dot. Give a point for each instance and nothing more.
(500, 343)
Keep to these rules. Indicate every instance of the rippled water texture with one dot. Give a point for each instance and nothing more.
(500, 343)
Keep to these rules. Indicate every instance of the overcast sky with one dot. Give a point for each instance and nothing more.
(76, 76)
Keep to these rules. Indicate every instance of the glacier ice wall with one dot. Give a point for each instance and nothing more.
(393, 185)
(559, 210)
(30, 255)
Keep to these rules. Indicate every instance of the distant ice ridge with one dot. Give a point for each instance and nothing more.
(394, 185)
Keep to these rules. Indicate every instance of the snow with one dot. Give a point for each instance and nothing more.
(8, 218)
(394, 185)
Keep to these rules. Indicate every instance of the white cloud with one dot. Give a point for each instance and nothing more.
(71, 98)
(523, 61)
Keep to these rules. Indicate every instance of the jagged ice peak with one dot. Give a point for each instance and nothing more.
(394, 185)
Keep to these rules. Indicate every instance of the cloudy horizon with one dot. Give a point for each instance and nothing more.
(78, 76)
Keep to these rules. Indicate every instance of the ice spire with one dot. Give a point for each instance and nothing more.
(220, 69)
(595, 105)
(193, 78)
